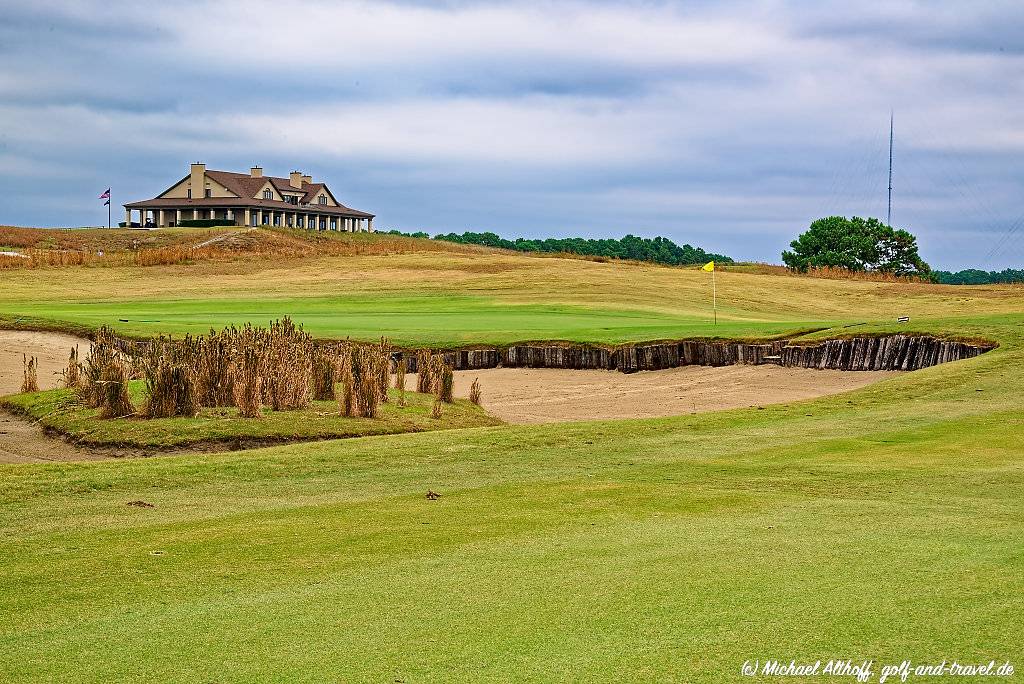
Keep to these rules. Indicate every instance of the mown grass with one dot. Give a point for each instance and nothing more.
(885, 523)
(62, 412)
(461, 298)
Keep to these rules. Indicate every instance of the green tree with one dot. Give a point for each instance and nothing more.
(856, 244)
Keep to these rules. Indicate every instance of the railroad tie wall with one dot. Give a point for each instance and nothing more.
(893, 352)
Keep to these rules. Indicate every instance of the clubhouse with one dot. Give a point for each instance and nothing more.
(250, 199)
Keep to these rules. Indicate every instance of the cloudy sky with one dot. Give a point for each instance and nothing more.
(726, 125)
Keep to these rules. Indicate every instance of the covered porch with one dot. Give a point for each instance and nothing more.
(163, 217)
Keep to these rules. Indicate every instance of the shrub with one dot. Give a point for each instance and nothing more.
(437, 409)
(474, 392)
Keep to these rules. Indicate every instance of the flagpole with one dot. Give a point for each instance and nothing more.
(108, 213)
(714, 295)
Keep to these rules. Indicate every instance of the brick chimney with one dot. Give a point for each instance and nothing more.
(307, 179)
(295, 180)
(256, 172)
(197, 182)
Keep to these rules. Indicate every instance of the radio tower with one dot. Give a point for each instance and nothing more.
(888, 217)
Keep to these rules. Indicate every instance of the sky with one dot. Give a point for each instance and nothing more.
(726, 125)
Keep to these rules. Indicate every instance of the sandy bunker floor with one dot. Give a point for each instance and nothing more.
(52, 350)
(524, 395)
(516, 395)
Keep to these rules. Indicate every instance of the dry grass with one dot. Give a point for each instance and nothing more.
(400, 369)
(445, 382)
(347, 401)
(424, 371)
(474, 392)
(71, 376)
(56, 248)
(30, 374)
(105, 376)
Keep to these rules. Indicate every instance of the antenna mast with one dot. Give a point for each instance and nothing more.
(888, 218)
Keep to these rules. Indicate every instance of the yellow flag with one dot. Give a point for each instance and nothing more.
(710, 266)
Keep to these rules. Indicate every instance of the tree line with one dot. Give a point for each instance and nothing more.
(974, 276)
(657, 250)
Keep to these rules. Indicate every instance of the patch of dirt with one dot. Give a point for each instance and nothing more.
(51, 348)
(546, 395)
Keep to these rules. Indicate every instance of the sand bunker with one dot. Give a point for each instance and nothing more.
(52, 349)
(516, 395)
(543, 395)
(24, 442)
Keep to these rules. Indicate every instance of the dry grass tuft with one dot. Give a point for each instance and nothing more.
(474, 392)
(445, 382)
(30, 374)
(424, 371)
(400, 381)
(72, 375)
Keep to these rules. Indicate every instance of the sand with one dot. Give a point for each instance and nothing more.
(52, 349)
(522, 395)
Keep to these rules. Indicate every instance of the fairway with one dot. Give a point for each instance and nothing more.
(885, 523)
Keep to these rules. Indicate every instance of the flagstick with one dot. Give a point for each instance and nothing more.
(714, 295)
(108, 213)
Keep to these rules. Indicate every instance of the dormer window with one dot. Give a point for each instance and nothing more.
(209, 192)
(268, 194)
(322, 199)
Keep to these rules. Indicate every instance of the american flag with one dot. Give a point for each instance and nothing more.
(106, 194)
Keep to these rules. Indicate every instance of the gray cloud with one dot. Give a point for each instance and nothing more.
(725, 125)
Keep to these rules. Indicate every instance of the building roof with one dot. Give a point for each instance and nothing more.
(246, 187)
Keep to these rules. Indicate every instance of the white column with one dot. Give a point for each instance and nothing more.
(248, 216)
(160, 219)
(369, 225)
(177, 217)
(127, 218)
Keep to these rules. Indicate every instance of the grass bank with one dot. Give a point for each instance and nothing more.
(60, 411)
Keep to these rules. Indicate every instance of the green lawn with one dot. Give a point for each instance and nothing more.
(405, 319)
(885, 524)
(60, 411)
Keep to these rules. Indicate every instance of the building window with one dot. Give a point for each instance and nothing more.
(322, 199)
(253, 218)
(299, 221)
(190, 193)
(209, 192)
(266, 219)
(268, 194)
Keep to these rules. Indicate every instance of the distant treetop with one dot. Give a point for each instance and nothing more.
(856, 244)
(658, 250)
